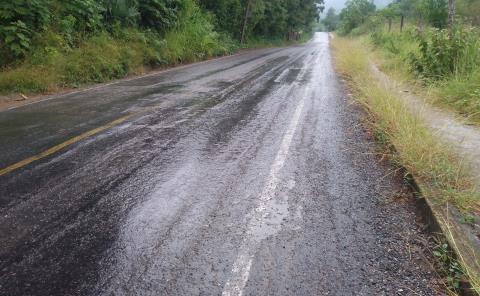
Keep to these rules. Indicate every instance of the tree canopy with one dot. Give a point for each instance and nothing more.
(355, 13)
(21, 20)
(331, 20)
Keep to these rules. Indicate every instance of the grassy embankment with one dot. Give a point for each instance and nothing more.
(439, 171)
(442, 176)
(57, 63)
(105, 57)
(448, 76)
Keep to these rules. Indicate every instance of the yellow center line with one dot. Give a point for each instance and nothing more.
(63, 145)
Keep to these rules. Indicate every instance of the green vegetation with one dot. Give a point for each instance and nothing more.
(438, 170)
(50, 44)
(446, 63)
(417, 44)
(437, 53)
(440, 173)
(331, 20)
(355, 13)
(450, 268)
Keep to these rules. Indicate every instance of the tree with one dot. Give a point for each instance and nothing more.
(159, 14)
(391, 12)
(331, 20)
(266, 18)
(435, 12)
(451, 14)
(355, 13)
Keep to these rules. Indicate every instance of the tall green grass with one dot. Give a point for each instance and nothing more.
(447, 68)
(111, 55)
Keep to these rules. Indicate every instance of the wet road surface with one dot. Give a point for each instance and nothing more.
(246, 175)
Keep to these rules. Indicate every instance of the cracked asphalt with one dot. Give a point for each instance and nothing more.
(246, 175)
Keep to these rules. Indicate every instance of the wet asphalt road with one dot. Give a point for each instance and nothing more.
(249, 174)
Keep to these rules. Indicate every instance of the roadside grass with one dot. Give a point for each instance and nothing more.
(462, 93)
(56, 62)
(441, 175)
(105, 57)
(459, 92)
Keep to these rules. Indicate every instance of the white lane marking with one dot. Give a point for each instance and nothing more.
(257, 228)
(281, 76)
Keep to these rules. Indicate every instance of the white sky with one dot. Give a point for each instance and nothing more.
(339, 4)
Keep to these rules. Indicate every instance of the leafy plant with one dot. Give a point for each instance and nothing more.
(16, 37)
(160, 15)
(86, 12)
(441, 52)
(450, 266)
(18, 20)
(124, 12)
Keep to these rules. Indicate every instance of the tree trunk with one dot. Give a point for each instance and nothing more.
(389, 24)
(451, 14)
(244, 27)
(402, 20)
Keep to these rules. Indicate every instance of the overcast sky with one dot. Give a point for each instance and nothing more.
(338, 4)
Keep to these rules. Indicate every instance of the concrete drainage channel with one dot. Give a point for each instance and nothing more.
(445, 227)
(462, 236)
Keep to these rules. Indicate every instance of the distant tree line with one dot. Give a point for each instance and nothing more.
(434, 13)
(271, 18)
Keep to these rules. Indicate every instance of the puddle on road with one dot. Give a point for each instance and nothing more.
(274, 214)
(270, 220)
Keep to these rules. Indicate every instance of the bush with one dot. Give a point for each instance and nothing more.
(160, 14)
(386, 41)
(108, 55)
(87, 13)
(194, 38)
(442, 54)
(18, 21)
(435, 12)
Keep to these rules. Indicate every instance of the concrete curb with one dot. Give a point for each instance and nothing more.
(464, 239)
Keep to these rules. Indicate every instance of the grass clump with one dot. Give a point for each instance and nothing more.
(462, 93)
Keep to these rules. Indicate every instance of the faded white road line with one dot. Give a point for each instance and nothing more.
(259, 226)
(265, 219)
(282, 75)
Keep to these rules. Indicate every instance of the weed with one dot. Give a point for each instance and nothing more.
(450, 267)
(443, 53)
(468, 219)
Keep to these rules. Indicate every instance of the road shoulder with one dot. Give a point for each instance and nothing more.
(415, 142)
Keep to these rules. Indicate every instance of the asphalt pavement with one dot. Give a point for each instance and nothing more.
(245, 175)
